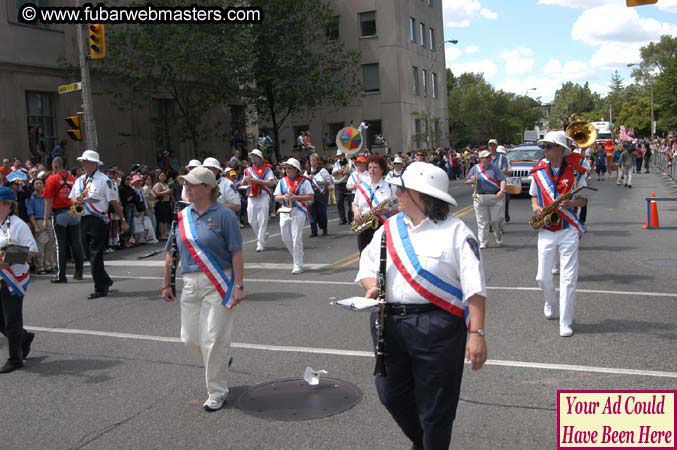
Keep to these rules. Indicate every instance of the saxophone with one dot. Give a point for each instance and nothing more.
(79, 209)
(550, 214)
(370, 220)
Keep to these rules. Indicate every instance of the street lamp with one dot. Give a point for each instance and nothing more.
(429, 71)
(651, 80)
(527, 91)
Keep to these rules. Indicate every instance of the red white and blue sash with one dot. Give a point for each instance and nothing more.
(89, 207)
(484, 175)
(437, 291)
(254, 173)
(287, 185)
(316, 186)
(206, 262)
(16, 285)
(547, 193)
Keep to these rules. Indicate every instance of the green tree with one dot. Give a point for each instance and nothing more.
(656, 56)
(665, 95)
(572, 98)
(298, 66)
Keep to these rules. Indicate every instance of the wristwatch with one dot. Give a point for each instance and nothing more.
(479, 332)
(240, 286)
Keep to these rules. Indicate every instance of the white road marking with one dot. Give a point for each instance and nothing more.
(161, 263)
(365, 354)
(278, 234)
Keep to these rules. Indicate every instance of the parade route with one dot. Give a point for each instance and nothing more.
(112, 373)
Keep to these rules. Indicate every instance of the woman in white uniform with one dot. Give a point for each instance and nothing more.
(295, 193)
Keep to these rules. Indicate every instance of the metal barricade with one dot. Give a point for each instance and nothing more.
(648, 211)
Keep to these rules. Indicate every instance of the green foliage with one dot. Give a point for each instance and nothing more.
(477, 112)
(572, 98)
(296, 67)
(665, 95)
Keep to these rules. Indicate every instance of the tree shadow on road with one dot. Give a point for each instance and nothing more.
(644, 327)
(78, 367)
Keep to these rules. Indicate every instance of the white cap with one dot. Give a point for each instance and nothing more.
(90, 155)
(200, 175)
(211, 162)
(256, 152)
(193, 163)
(294, 163)
(493, 141)
(339, 152)
(500, 149)
(558, 138)
(398, 160)
(227, 169)
(485, 154)
(41, 174)
(427, 179)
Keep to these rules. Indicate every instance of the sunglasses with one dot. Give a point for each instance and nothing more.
(549, 146)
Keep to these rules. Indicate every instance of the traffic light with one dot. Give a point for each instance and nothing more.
(631, 3)
(75, 132)
(97, 41)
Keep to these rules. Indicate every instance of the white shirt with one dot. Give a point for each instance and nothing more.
(306, 189)
(322, 176)
(382, 192)
(100, 188)
(447, 249)
(533, 188)
(15, 231)
(228, 194)
(355, 178)
(337, 166)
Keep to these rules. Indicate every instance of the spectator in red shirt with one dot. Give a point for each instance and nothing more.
(6, 169)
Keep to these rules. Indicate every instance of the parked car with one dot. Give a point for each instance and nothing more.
(522, 159)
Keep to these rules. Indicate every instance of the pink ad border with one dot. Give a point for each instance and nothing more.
(659, 391)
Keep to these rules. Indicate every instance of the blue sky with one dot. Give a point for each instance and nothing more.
(523, 44)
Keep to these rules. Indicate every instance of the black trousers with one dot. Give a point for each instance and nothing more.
(583, 216)
(318, 212)
(343, 196)
(507, 206)
(11, 323)
(67, 237)
(639, 165)
(424, 356)
(364, 239)
(94, 233)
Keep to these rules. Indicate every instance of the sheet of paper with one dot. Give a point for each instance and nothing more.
(312, 376)
(357, 303)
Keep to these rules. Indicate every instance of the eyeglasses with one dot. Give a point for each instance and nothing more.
(549, 146)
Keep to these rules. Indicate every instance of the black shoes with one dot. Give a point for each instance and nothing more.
(324, 232)
(58, 280)
(78, 275)
(26, 345)
(507, 219)
(10, 367)
(98, 294)
(313, 235)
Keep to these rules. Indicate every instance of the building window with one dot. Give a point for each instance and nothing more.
(333, 29)
(421, 27)
(417, 132)
(41, 120)
(414, 76)
(297, 133)
(412, 29)
(424, 73)
(370, 78)
(368, 23)
(163, 119)
(334, 129)
(373, 131)
(433, 86)
(431, 38)
(430, 2)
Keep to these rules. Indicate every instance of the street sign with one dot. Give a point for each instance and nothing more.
(70, 87)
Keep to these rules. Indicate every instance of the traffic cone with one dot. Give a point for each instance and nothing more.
(654, 214)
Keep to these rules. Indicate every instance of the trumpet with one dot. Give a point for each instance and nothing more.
(370, 220)
(77, 208)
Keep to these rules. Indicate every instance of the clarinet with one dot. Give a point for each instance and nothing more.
(175, 248)
(380, 367)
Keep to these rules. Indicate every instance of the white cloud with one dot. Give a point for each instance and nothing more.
(518, 61)
(484, 66)
(553, 66)
(472, 49)
(459, 13)
(488, 14)
(578, 3)
(619, 24)
(615, 55)
(572, 70)
(545, 87)
(667, 5)
(451, 54)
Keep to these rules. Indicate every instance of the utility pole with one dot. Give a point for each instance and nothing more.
(652, 116)
(91, 140)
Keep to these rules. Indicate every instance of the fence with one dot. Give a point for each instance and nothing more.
(665, 166)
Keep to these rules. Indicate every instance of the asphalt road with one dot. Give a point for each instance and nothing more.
(111, 373)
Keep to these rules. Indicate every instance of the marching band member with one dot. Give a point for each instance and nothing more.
(500, 160)
(359, 175)
(398, 167)
(14, 281)
(368, 195)
(212, 266)
(295, 192)
(320, 180)
(193, 163)
(434, 284)
(489, 201)
(94, 191)
(260, 179)
(554, 176)
(228, 195)
(340, 173)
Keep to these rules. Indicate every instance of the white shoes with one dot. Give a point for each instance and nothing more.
(555, 270)
(297, 269)
(214, 403)
(499, 242)
(483, 245)
(259, 247)
(565, 330)
(548, 312)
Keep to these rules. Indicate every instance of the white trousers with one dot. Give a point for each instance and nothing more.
(549, 242)
(205, 328)
(257, 214)
(628, 176)
(489, 210)
(291, 228)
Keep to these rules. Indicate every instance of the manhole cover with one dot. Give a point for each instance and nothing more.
(661, 262)
(294, 399)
